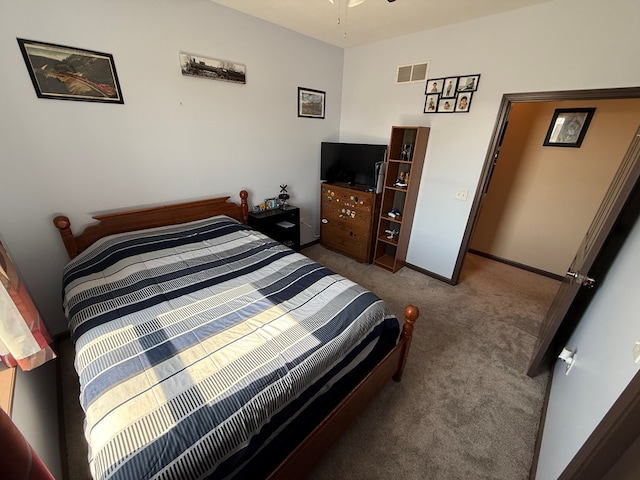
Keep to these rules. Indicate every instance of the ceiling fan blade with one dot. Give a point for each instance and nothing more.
(352, 3)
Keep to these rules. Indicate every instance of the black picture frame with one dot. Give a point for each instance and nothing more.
(434, 85)
(450, 94)
(468, 83)
(450, 87)
(67, 73)
(311, 103)
(212, 68)
(568, 127)
(431, 103)
(446, 105)
(463, 101)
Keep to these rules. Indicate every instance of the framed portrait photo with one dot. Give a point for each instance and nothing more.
(449, 88)
(463, 101)
(431, 103)
(434, 86)
(446, 105)
(67, 73)
(311, 103)
(568, 127)
(468, 83)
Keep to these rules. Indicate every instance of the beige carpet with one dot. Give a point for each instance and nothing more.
(465, 408)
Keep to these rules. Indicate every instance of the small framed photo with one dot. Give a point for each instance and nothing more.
(271, 203)
(463, 101)
(446, 105)
(568, 127)
(431, 103)
(450, 87)
(66, 73)
(434, 86)
(469, 83)
(311, 103)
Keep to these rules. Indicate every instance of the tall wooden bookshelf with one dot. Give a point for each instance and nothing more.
(405, 159)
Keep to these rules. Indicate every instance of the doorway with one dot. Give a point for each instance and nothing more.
(541, 199)
(499, 132)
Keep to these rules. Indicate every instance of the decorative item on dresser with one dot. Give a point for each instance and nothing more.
(196, 361)
(407, 149)
(348, 220)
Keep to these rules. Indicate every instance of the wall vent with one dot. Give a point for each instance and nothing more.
(416, 72)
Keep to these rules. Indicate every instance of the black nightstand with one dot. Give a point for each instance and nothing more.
(281, 224)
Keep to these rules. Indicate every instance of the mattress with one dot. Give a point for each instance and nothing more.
(202, 347)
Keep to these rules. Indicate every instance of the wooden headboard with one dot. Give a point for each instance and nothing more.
(129, 220)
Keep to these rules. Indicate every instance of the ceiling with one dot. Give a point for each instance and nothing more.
(370, 21)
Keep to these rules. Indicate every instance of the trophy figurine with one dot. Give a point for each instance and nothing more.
(283, 197)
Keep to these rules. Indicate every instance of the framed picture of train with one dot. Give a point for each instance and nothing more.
(224, 70)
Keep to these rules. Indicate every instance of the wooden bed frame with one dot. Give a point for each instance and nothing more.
(299, 463)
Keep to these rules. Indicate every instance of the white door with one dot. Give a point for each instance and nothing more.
(604, 341)
(558, 321)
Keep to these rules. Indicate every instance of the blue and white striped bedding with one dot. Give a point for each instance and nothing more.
(191, 338)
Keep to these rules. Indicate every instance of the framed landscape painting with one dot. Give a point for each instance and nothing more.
(311, 103)
(66, 73)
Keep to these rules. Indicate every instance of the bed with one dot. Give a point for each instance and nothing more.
(205, 349)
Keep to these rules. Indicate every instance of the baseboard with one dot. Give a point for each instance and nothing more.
(517, 265)
(429, 274)
(310, 244)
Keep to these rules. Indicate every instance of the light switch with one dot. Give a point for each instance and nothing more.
(636, 352)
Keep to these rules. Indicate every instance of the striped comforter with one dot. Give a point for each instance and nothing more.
(193, 340)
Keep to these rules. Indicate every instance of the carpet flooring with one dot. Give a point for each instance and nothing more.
(465, 408)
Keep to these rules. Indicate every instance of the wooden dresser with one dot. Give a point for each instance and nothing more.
(348, 217)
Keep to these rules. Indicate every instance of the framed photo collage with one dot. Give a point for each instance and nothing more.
(450, 94)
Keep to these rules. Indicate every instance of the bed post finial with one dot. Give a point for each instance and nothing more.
(245, 206)
(411, 313)
(63, 224)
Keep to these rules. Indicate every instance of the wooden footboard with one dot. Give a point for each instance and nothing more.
(301, 461)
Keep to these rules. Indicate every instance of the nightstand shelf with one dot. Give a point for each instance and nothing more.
(281, 224)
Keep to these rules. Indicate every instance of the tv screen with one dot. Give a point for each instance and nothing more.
(351, 163)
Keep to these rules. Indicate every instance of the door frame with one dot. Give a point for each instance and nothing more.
(509, 99)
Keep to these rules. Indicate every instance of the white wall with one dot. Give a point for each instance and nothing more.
(559, 45)
(604, 366)
(175, 138)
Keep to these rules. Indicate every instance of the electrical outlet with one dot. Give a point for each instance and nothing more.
(636, 352)
(462, 195)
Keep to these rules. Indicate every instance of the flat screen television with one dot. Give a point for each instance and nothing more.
(351, 163)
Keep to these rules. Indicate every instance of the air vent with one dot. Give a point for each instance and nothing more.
(417, 72)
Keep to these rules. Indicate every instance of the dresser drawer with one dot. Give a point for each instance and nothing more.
(352, 242)
(336, 211)
(348, 220)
